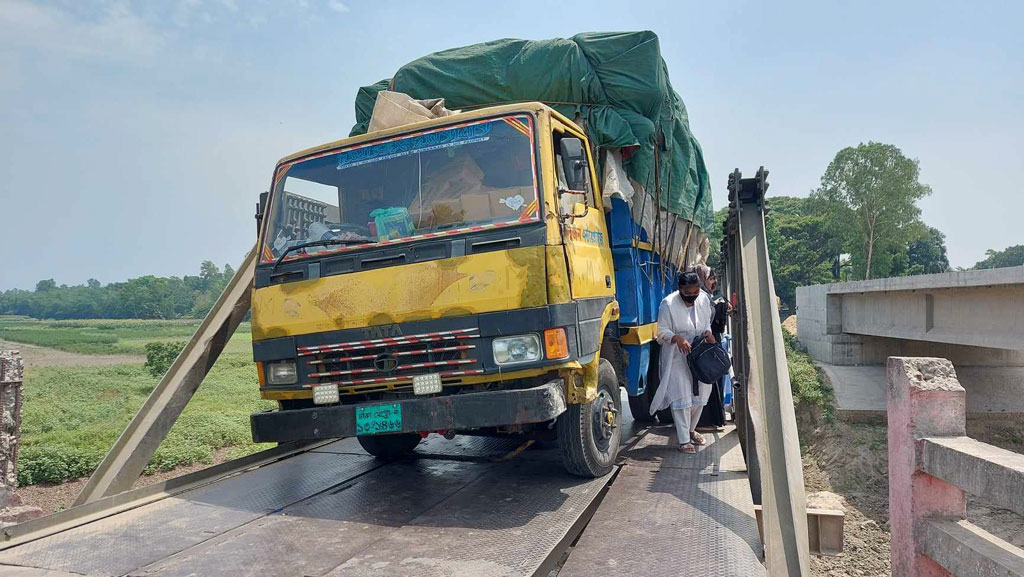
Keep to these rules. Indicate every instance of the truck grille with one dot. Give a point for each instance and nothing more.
(390, 363)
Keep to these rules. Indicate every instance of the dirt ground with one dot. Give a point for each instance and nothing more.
(36, 356)
(790, 324)
(852, 461)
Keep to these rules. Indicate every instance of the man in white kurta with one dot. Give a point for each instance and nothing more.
(679, 324)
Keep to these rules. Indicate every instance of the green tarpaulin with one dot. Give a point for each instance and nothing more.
(615, 82)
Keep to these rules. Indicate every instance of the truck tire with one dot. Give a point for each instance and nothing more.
(389, 447)
(588, 433)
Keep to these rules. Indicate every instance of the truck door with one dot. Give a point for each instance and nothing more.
(584, 230)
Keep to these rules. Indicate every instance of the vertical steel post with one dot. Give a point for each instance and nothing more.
(135, 447)
(739, 326)
(769, 396)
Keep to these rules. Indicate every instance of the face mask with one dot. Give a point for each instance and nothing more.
(689, 299)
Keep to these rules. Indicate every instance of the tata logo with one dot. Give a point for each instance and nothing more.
(385, 363)
(382, 332)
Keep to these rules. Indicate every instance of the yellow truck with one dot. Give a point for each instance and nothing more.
(456, 275)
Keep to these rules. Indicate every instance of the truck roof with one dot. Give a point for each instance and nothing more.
(532, 107)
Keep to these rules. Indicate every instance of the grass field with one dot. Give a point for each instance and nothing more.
(107, 336)
(73, 414)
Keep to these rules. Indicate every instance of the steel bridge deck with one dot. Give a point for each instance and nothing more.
(669, 513)
(471, 506)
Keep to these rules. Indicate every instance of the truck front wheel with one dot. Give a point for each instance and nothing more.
(588, 433)
(389, 446)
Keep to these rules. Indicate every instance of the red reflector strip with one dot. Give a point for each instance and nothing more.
(437, 350)
(405, 378)
(396, 354)
(435, 364)
(447, 374)
(377, 343)
(339, 373)
(398, 368)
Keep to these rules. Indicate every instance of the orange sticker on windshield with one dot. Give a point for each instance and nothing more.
(519, 125)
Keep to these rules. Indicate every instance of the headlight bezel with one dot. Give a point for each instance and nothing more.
(274, 378)
(533, 342)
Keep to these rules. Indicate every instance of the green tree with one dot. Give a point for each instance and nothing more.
(1010, 256)
(46, 285)
(799, 246)
(927, 253)
(872, 192)
(715, 236)
(210, 274)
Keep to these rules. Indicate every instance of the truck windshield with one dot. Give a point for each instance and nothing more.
(446, 181)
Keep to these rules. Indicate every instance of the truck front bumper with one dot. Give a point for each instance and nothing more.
(446, 413)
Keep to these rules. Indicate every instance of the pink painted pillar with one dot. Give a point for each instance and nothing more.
(924, 400)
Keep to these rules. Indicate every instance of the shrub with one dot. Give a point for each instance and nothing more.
(160, 356)
(54, 464)
(807, 381)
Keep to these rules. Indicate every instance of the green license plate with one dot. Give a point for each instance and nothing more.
(378, 419)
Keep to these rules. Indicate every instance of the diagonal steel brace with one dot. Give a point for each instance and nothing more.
(135, 447)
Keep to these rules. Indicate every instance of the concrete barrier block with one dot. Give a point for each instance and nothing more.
(924, 399)
(977, 468)
(967, 549)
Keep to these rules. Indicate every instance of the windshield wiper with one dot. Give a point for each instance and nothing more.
(326, 242)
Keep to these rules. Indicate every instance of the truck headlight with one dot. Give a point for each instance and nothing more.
(282, 373)
(517, 349)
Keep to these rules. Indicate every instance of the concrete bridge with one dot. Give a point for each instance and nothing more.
(973, 318)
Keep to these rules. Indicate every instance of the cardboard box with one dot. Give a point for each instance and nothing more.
(476, 207)
(447, 212)
(441, 212)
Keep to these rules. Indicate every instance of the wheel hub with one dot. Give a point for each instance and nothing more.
(605, 418)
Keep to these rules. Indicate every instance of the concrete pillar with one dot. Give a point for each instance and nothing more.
(833, 314)
(10, 418)
(924, 400)
(11, 509)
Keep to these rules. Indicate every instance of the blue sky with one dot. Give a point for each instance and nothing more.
(135, 136)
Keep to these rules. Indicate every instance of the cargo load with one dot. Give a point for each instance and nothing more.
(614, 85)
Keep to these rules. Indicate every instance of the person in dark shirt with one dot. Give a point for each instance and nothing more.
(713, 416)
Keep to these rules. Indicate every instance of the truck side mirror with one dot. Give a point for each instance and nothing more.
(574, 163)
(259, 211)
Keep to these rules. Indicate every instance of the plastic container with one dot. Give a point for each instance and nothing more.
(392, 222)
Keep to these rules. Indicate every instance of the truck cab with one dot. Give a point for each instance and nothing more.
(450, 276)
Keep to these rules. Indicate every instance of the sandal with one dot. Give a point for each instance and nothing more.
(697, 438)
(688, 448)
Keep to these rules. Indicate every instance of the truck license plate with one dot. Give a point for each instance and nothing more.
(378, 419)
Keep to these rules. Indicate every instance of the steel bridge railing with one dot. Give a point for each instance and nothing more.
(765, 417)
